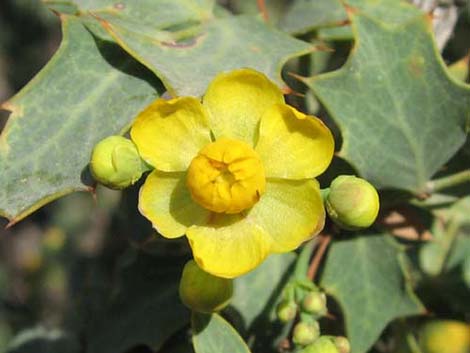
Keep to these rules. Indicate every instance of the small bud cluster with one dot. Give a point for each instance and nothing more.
(304, 300)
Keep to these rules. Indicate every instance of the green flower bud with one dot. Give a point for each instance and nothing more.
(445, 336)
(315, 303)
(342, 343)
(352, 203)
(321, 345)
(286, 310)
(203, 292)
(305, 333)
(115, 162)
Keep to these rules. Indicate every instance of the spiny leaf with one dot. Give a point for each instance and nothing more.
(326, 15)
(401, 115)
(196, 54)
(365, 275)
(393, 12)
(89, 90)
(159, 13)
(212, 334)
(306, 15)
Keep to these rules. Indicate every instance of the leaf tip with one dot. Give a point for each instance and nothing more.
(16, 110)
(299, 77)
(105, 24)
(322, 47)
(350, 10)
(92, 191)
(11, 223)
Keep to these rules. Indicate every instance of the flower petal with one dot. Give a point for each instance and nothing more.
(293, 145)
(229, 246)
(236, 100)
(165, 200)
(170, 133)
(291, 211)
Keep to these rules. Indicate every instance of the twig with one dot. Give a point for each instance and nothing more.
(324, 241)
(262, 8)
(412, 343)
(447, 181)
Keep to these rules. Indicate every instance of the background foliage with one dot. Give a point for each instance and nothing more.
(85, 274)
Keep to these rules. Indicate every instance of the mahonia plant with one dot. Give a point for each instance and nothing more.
(286, 177)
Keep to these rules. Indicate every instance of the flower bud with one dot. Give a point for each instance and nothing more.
(315, 303)
(203, 292)
(321, 345)
(342, 343)
(352, 203)
(305, 333)
(286, 310)
(115, 162)
(445, 336)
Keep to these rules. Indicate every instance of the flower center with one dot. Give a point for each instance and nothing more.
(227, 176)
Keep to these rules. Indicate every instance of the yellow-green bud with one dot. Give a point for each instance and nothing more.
(315, 303)
(321, 345)
(286, 310)
(115, 162)
(342, 343)
(203, 292)
(445, 336)
(352, 203)
(305, 333)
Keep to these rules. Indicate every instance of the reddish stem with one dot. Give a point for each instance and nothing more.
(262, 8)
(323, 242)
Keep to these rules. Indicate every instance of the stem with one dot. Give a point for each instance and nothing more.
(449, 240)
(324, 241)
(324, 193)
(412, 344)
(262, 8)
(447, 181)
(302, 265)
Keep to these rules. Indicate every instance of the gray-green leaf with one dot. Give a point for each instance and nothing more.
(89, 90)
(212, 334)
(401, 115)
(366, 276)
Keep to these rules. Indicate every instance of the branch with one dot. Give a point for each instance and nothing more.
(324, 241)
(447, 182)
(262, 8)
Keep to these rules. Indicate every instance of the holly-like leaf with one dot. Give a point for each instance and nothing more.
(392, 12)
(189, 59)
(159, 13)
(145, 308)
(306, 15)
(401, 115)
(366, 276)
(303, 16)
(212, 334)
(89, 90)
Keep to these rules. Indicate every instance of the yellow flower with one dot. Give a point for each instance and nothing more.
(234, 173)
